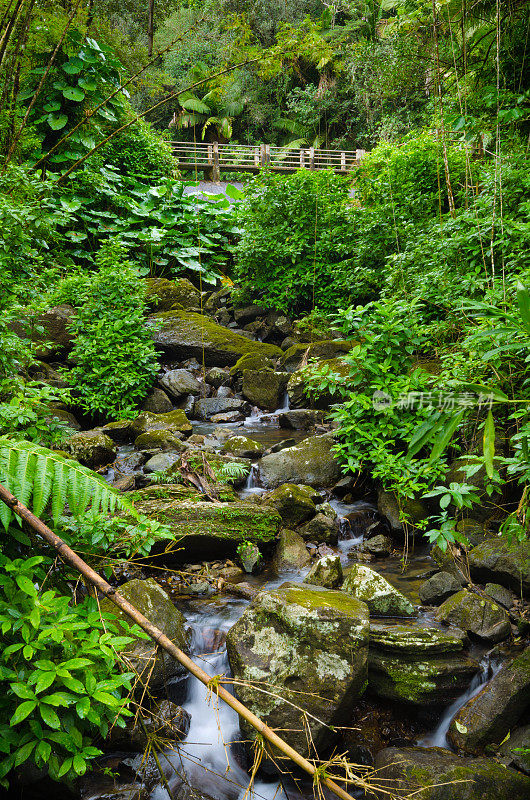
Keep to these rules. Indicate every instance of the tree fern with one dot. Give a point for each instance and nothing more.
(38, 477)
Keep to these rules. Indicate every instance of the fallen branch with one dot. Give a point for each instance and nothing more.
(70, 557)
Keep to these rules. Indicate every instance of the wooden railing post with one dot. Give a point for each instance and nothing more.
(302, 159)
(311, 158)
(343, 161)
(256, 157)
(359, 155)
(262, 155)
(216, 169)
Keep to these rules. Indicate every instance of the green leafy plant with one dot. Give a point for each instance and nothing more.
(113, 352)
(60, 678)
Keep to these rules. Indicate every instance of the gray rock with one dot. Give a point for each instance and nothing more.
(161, 462)
(91, 448)
(157, 402)
(301, 419)
(249, 313)
(380, 596)
(388, 507)
(499, 594)
(475, 614)
(208, 407)
(321, 529)
(291, 552)
(242, 446)
(311, 462)
(264, 388)
(437, 774)
(326, 572)
(379, 546)
(224, 391)
(293, 358)
(218, 377)
(294, 503)
(180, 382)
(438, 588)
(488, 716)
(174, 421)
(228, 417)
(310, 647)
(153, 665)
(509, 751)
(166, 720)
(499, 561)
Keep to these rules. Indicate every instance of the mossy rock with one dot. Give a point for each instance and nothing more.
(291, 552)
(165, 491)
(293, 358)
(437, 774)
(183, 335)
(173, 421)
(161, 294)
(154, 666)
(414, 641)
(212, 530)
(475, 614)
(498, 561)
(380, 596)
(294, 503)
(251, 361)
(91, 448)
(409, 509)
(161, 440)
(488, 716)
(310, 462)
(264, 388)
(207, 407)
(422, 682)
(242, 446)
(309, 645)
(322, 529)
(326, 572)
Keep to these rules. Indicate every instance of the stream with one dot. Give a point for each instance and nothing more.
(211, 758)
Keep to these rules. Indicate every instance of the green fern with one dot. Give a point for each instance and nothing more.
(37, 477)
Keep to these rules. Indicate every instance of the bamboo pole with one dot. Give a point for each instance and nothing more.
(158, 636)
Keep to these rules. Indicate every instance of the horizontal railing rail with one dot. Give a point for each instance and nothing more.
(214, 157)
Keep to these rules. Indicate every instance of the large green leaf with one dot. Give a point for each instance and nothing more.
(74, 93)
(57, 121)
(489, 444)
(523, 301)
(445, 436)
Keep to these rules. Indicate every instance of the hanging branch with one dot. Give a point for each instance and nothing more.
(148, 111)
(159, 637)
(120, 88)
(4, 41)
(41, 83)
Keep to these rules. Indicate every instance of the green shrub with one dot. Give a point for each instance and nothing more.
(297, 238)
(60, 682)
(114, 354)
(139, 152)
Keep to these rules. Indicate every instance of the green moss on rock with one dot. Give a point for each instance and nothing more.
(175, 421)
(380, 596)
(184, 335)
(475, 614)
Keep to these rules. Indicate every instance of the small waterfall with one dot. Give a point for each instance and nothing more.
(438, 737)
(251, 482)
(285, 406)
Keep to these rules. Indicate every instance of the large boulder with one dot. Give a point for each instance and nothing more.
(157, 402)
(417, 665)
(208, 407)
(298, 388)
(310, 647)
(395, 512)
(291, 552)
(380, 596)
(180, 382)
(175, 421)
(500, 561)
(166, 721)
(437, 774)
(301, 419)
(91, 448)
(162, 293)
(58, 335)
(298, 354)
(183, 335)
(264, 388)
(311, 462)
(294, 503)
(153, 665)
(515, 751)
(488, 716)
(212, 529)
(475, 614)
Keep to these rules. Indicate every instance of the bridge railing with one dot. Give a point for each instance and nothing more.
(215, 157)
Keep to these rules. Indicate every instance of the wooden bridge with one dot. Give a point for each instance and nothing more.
(212, 159)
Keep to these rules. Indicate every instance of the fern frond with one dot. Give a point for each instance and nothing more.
(34, 474)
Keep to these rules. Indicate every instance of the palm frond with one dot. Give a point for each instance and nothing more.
(39, 477)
